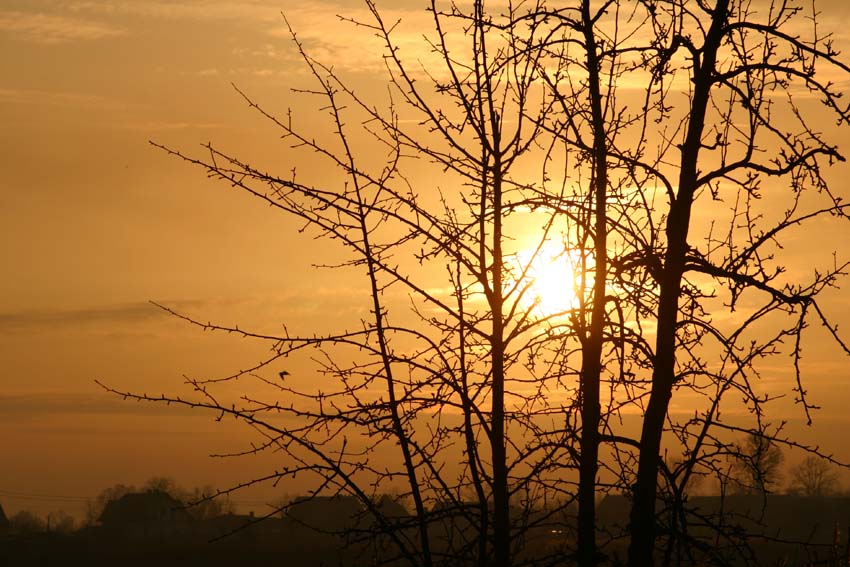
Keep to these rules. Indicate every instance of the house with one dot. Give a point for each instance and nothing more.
(146, 514)
(332, 514)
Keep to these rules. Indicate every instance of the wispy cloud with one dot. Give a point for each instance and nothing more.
(14, 407)
(324, 26)
(122, 313)
(330, 37)
(180, 9)
(261, 314)
(55, 28)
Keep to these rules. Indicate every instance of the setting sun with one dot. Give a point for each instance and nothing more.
(552, 276)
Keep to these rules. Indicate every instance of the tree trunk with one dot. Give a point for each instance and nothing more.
(591, 366)
(642, 525)
(501, 517)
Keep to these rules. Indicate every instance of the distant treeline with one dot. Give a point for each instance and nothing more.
(765, 473)
(800, 512)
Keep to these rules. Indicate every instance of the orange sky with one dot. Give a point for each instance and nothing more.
(95, 222)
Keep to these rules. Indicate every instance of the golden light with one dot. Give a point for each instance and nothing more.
(552, 278)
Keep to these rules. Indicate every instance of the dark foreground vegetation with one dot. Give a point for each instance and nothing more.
(152, 527)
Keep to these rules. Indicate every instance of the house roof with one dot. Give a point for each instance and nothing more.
(390, 508)
(143, 507)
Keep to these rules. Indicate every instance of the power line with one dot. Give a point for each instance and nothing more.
(44, 497)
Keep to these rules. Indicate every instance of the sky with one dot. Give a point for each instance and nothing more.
(96, 222)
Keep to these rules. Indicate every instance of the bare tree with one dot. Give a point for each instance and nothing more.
(436, 378)
(746, 75)
(589, 122)
(813, 477)
(26, 522)
(704, 168)
(60, 522)
(756, 466)
(644, 139)
(163, 484)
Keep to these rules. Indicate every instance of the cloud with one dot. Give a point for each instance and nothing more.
(222, 10)
(263, 314)
(225, 10)
(16, 407)
(329, 36)
(53, 28)
(11, 321)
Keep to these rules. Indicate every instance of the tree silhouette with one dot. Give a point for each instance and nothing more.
(60, 522)
(453, 368)
(757, 466)
(666, 150)
(813, 477)
(26, 522)
(747, 72)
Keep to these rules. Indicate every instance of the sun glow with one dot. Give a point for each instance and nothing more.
(552, 278)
